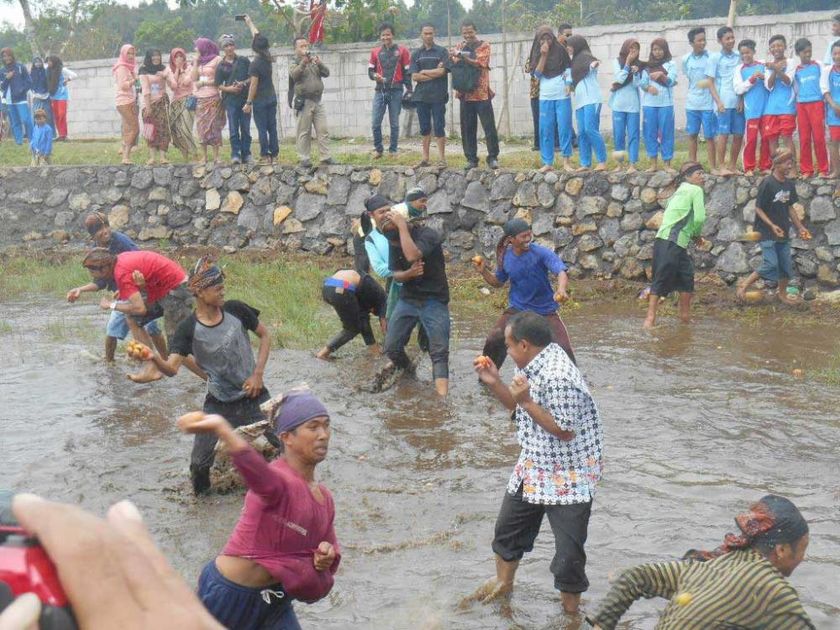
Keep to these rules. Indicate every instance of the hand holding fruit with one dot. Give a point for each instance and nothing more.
(478, 261)
(487, 371)
(137, 350)
(561, 296)
(805, 234)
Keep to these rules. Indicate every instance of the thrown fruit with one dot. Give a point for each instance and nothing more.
(683, 599)
(477, 260)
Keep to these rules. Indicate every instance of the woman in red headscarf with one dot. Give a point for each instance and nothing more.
(125, 79)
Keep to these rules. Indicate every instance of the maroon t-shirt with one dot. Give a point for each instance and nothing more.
(161, 274)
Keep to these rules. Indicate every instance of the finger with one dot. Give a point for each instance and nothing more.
(22, 614)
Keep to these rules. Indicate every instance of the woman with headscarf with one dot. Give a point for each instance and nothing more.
(209, 113)
(40, 92)
(551, 65)
(262, 98)
(657, 82)
(742, 584)
(624, 101)
(58, 76)
(16, 82)
(155, 105)
(587, 103)
(182, 104)
(125, 78)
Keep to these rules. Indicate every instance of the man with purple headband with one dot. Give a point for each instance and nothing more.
(216, 337)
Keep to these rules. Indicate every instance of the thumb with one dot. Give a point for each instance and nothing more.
(22, 614)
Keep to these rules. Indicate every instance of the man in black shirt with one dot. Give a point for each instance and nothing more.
(354, 296)
(416, 258)
(773, 215)
(232, 81)
(429, 65)
(262, 98)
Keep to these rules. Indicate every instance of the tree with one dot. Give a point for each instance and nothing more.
(164, 34)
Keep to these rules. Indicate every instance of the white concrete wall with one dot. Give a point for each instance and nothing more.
(349, 92)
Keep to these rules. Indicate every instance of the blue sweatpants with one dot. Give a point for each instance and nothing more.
(658, 129)
(626, 133)
(589, 135)
(555, 116)
(21, 121)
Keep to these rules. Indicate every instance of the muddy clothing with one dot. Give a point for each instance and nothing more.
(528, 272)
(775, 198)
(354, 304)
(433, 284)
(740, 589)
(684, 216)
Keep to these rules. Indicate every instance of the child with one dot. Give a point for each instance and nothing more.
(830, 85)
(552, 67)
(587, 103)
(773, 215)
(700, 108)
(682, 223)
(730, 122)
(657, 82)
(810, 110)
(779, 121)
(624, 100)
(749, 83)
(42, 139)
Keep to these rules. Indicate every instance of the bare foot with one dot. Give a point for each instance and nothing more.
(165, 161)
(670, 169)
(649, 323)
(749, 173)
(600, 167)
(568, 168)
(784, 298)
(487, 593)
(651, 169)
(717, 172)
(581, 169)
(150, 162)
(147, 375)
(631, 169)
(833, 175)
(546, 168)
(741, 292)
(127, 162)
(323, 354)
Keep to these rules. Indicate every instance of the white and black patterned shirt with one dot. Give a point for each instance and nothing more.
(550, 470)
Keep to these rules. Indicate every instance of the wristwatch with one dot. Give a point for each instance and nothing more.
(114, 305)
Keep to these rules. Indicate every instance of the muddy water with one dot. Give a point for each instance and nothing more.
(698, 422)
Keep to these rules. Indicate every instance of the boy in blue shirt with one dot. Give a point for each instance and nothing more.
(780, 112)
(749, 84)
(810, 110)
(830, 86)
(699, 106)
(730, 122)
(42, 139)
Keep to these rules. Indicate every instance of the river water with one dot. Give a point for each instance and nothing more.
(698, 422)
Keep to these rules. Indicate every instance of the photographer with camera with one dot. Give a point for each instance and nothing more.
(232, 79)
(471, 81)
(306, 88)
(389, 67)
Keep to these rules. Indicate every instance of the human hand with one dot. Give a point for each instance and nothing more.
(561, 296)
(487, 371)
(739, 107)
(253, 385)
(634, 69)
(632, 56)
(544, 48)
(721, 107)
(324, 556)
(139, 279)
(73, 294)
(777, 230)
(595, 64)
(246, 108)
(652, 90)
(10, 75)
(478, 261)
(105, 304)
(805, 234)
(200, 422)
(656, 75)
(416, 270)
(520, 389)
(111, 570)
(378, 78)
(396, 218)
(758, 75)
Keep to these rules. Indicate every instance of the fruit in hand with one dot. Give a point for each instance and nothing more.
(483, 362)
(477, 260)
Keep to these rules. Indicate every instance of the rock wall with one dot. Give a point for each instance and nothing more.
(603, 224)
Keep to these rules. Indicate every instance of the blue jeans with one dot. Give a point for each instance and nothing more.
(626, 126)
(555, 120)
(21, 121)
(392, 99)
(239, 124)
(434, 317)
(589, 135)
(658, 131)
(265, 117)
(777, 261)
(118, 328)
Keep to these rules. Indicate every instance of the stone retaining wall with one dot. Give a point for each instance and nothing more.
(602, 224)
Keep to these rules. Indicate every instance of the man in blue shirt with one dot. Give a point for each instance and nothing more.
(527, 266)
(699, 106)
(730, 122)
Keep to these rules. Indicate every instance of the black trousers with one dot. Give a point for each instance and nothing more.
(353, 320)
(471, 113)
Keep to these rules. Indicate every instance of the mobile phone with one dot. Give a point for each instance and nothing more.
(239, 18)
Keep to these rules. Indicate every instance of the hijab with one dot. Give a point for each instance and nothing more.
(174, 53)
(207, 50)
(558, 57)
(150, 68)
(123, 60)
(54, 73)
(38, 74)
(10, 52)
(622, 61)
(582, 58)
(658, 66)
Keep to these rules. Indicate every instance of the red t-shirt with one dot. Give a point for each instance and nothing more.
(161, 274)
(391, 63)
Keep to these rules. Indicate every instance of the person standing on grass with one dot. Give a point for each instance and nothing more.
(587, 103)
(40, 91)
(125, 80)
(216, 337)
(730, 122)
(182, 104)
(528, 267)
(42, 140)
(830, 86)
(552, 67)
(471, 62)
(209, 112)
(58, 76)
(779, 121)
(773, 215)
(828, 58)
(810, 110)
(682, 223)
(262, 98)
(657, 82)
(116, 243)
(749, 85)
(389, 66)
(559, 430)
(283, 547)
(232, 79)
(155, 105)
(429, 67)
(306, 74)
(699, 105)
(624, 101)
(16, 83)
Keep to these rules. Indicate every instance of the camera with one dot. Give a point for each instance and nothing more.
(239, 18)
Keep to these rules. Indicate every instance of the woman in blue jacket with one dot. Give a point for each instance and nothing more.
(15, 79)
(657, 82)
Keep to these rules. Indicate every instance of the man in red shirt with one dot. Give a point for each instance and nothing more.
(148, 285)
(389, 67)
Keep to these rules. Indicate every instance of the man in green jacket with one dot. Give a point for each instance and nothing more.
(683, 221)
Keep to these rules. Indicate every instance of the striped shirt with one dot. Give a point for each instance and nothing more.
(740, 589)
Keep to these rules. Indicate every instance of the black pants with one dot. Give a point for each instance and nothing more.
(471, 113)
(353, 320)
(238, 413)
